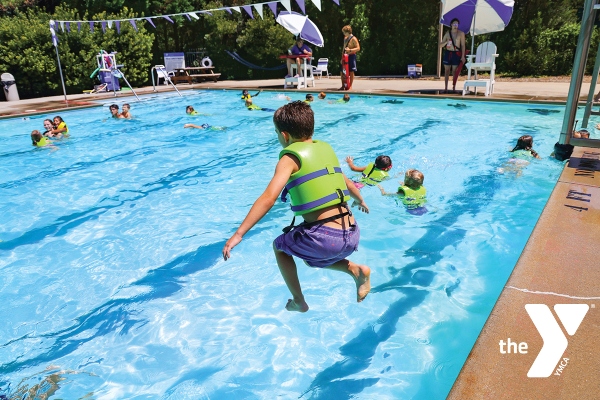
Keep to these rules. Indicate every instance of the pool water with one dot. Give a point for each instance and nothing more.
(113, 284)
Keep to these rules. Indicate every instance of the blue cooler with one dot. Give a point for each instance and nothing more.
(415, 70)
(111, 81)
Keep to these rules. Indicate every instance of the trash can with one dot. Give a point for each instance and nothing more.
(10, 87)
(415, 70)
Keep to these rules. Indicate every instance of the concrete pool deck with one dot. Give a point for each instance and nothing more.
(559, 264)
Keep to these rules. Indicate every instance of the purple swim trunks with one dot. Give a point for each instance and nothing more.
(319, 245)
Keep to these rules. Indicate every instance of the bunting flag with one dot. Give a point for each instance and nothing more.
(248, 10)
(259, 10)
(286, 4)
(53, 33)
(66, 25)
(273, 7)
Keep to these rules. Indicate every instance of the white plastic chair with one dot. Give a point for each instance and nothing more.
(161, 73)
(483, 60)
(321, 68)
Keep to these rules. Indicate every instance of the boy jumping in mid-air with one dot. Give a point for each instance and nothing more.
(309, 171)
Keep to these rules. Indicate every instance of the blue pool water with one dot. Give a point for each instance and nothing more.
(112, 280)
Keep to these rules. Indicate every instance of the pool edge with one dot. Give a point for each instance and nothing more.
(555, 267)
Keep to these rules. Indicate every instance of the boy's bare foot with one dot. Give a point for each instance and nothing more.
(301, 306)
(363, 283)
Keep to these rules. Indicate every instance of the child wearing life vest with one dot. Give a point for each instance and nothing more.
(309, 172)
(525, 147)
(411, 191)
(246, 95)
(373, 173)
(250, 106)
(39, 140)
(60, 126)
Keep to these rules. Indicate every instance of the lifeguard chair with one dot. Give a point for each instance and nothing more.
(109, 72)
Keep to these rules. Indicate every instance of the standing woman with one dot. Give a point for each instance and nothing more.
(351, 47)
(454, 51)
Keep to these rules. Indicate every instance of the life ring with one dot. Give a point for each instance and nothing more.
(206, 62)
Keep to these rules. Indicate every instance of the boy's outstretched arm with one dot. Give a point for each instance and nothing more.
(353, 167)
(384, 193)
(285, 167)
(355, 194)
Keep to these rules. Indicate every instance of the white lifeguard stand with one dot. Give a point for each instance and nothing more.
(109, 72)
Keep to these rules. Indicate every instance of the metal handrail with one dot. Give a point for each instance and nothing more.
(168, 78)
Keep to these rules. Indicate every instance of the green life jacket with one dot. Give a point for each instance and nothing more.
(254, 107)
(413, 198)
(522, 154)
(319, 183)
(43, 142)
(371, 176)
(194, 113)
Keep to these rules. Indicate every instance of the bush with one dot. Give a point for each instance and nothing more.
(26, 51)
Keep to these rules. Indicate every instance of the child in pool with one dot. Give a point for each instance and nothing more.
(125, 113)
(246, 95)
(250, 106)
(524, 147)
(411, 191)
(581, 134)
(205, 126)
(189, 110)
(329, 232)
(373, 173)
(309, 98)
(49, 126)
(343, 100)
(322, 95)
(39, 140)
(521, 154)
(114, 111)
(60, 126)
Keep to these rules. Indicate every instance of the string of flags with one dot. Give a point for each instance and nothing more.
(65, 26)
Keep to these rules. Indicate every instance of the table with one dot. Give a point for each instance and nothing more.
(301, 81)
(187, 74)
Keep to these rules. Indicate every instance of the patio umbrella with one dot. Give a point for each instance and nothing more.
(477, 17)
(300, 25)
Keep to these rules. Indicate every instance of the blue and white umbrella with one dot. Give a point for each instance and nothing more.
(300, 25)
(478, 16)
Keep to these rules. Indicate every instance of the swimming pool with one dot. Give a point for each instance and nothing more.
(114, 287)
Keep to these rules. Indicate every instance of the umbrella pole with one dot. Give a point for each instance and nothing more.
(440, 36)
(473, 30)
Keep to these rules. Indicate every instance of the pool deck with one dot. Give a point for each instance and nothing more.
(559, 264)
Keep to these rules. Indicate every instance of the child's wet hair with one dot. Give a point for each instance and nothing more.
(126, 105)
(309, 97)
(346, 97)
(113, 107)
(59, 118)
(414, 178)
(525, 142)
(383, 162)
(322, 95)
(189, 109)
(36, 136)
(296, 118)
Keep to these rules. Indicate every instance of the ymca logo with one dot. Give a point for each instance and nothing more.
(555, 342)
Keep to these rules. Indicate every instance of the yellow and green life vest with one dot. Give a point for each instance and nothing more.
(372, 175)
(319, 183)
(42, 142)
(413, 198)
